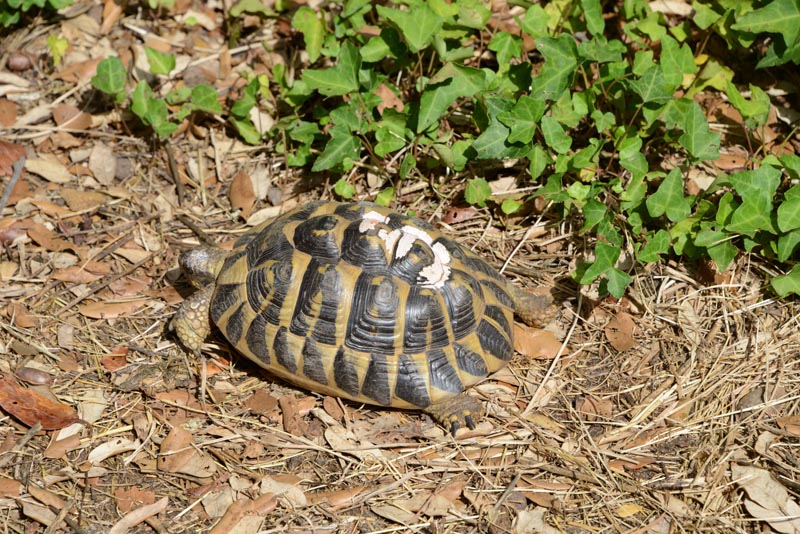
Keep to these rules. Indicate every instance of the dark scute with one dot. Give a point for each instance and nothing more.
(425, 320)
(500, 293)
(232, 258)
(363, 250)
(258, 288)
(456, 250)
(470, 361)
(376, 380)
(411, 385)
(398, 220)
(350, 211)
(494, 342)
(281, 273)
(443, 375)
(474, 263)
(225, 296)
(325, 327)
(270, 245)
(316, 238)
(282, 353)
(233, 330)
(408, 267)
(458, 297)
(313, 367)
(344, 373)
(497, 315)
(256, 339)
(302, 316)
(303, 213)
(373, 314)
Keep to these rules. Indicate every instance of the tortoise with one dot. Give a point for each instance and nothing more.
(358, 301)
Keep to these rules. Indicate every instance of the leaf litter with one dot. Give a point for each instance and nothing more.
(678, 413)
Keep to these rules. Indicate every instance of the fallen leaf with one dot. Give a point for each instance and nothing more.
(10, 488)
(388, 99)
(8, 112)
(457, 215)
(619, 332)
(50, 168)
(103, 163)
(9, 153)
(286, 490)
(628, 509)
(111, 310)
(262, 403)
(128, 498)
(71, 117)
(767, 499)
(112, 448)
(31, 407)
(138, 516)
(82, 200)
(242, 195)
(177, 455)
(535, 342)
(593, 408)
(59, 448)
(246, 516)
(21, 316)
(790, 424)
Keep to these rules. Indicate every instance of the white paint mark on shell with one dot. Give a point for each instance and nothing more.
(400, 240)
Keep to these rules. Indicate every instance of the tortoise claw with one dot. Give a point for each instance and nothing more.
(456, 412)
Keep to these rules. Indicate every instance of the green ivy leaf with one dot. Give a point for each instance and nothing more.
(385, 197)
(418, 25)
(593, 13)
(605, 257)
(669, 199)
(522, 119)
(204, 98)
(777, 16)
(506, 47)
(110, 78)
(344, 189)
(477, 192)
(339, 80)
(246, 130)
(451, 82)
(755, 111)
(561, 55)
(789, 214)
(160, 63)
(788, 283)
(554, 135)
(510, 206)
(656, 246)
(687, 116)
(617, 282)
(342, 145)
(58, 47)
(593, 212)
(787, 244)
(310, 23)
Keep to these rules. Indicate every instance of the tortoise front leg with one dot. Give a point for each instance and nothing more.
(456, 412)
(191, 322)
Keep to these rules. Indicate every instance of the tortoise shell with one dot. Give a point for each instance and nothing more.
(358, 301)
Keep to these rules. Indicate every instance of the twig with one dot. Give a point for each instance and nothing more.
(41, 348)
(173, 171)
(17, 168)
(103, 284)
(32, 431)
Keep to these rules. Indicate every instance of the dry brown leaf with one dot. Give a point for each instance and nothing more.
(128, 498)
(532, 522)
(619, 332)
(47, 238)
(69, 116)
(59, 448)
(337, 498)
(103, 163)
(9, 153)
(177, 455)
(535, 342)
(21, 316)
(388, 99)
(139, 516)
(10, 488)
(242, 195)
(592, 407)
(287, 489)
(52, 209)
(262, 403)
(76, 274)
(79, 72)
(767, 499)
(46, 497)
(790, 424)
(245, 516)
(111, 310)
(628, 509)
(111, 448)
(395, 513)
(8, 269)
(8, 112)
(82, 200)
(49, 167)
(32, 407)
(457, 215)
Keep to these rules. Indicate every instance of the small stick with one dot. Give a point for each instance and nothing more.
(20, 444)
(103, 284)
(17, 172)
(173, 170)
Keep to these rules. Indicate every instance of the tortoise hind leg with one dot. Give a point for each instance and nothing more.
(534, 307)
(456, 412)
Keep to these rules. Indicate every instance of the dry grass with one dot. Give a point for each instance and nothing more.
(636, 425)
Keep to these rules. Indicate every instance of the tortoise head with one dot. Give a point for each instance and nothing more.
(202, 264)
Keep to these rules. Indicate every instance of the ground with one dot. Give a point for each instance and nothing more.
(673, 409)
